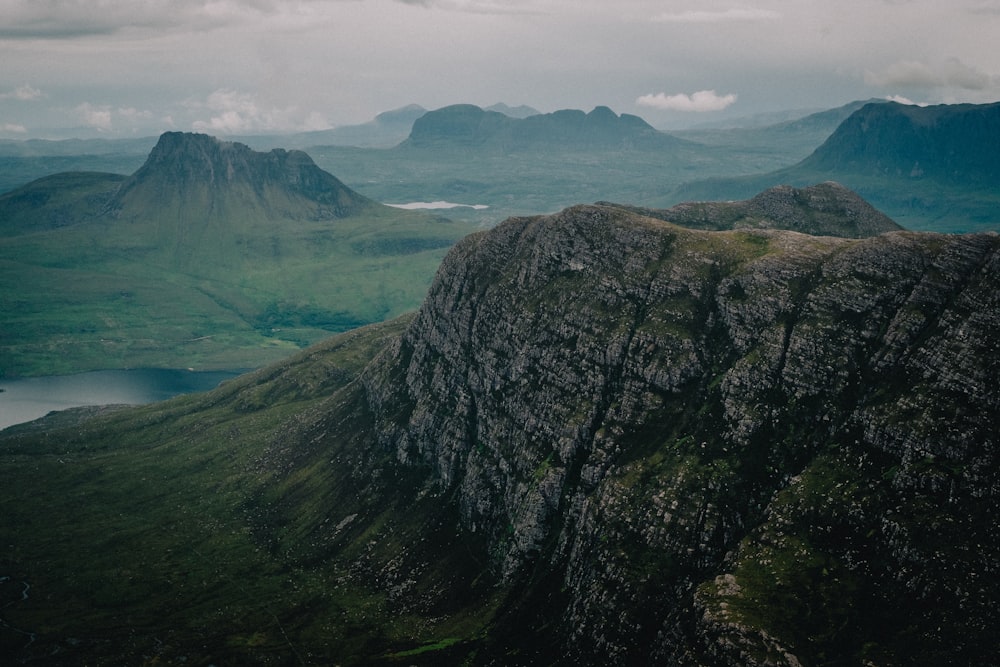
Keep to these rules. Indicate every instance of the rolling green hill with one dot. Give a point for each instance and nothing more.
(210, 255)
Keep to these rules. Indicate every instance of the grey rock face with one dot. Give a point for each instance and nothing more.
(744, 447)
(826, 209)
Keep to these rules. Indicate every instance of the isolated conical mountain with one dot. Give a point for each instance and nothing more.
(201, 176)
(209, 253)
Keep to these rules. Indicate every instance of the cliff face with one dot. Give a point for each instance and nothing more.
(743, 447)
(603, 440)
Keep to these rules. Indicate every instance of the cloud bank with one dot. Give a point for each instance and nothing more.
(951, 73)
(701, 101)
(234, 112)
(725, 16)
(24, 93)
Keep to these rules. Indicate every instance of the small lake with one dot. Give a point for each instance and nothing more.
(26, 399)
(415, 205)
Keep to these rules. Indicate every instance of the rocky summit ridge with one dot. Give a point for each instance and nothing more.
(826, 209)
(201, 177)
(606, 439)
(742, 447)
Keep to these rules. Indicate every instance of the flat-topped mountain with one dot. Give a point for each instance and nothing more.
(604, 439)
(469, 126)
(826, 209)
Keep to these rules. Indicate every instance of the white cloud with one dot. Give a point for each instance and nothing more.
(98, 117)
(703, 100)
(906, 100)
(13, 128)
(67, 19)
(235, 112)
(23, 93)
(724, 16)
(476, 6)
(951, 73)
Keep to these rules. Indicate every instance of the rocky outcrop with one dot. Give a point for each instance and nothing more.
(734, 447)
(603, 440)
(826, 209)
(204, 178)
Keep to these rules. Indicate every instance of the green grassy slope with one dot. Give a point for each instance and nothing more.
(170, 268)
(777, 491)
(204, 529)
(97, 296)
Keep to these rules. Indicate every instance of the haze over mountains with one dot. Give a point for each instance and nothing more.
(543, 162)
(252, 232)
(750, 432)
(927, 167)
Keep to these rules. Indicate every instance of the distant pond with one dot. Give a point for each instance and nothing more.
(414, 205)
(26, 399)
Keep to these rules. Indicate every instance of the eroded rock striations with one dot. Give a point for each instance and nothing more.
(603, 440)
(735, 447)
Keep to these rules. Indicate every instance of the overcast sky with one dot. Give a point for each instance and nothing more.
(138, 67)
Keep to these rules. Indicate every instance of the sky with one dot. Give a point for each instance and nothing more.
(130, 68)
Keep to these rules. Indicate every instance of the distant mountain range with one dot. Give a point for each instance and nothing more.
(957, 144)
(210, 255)
(929, 168)
(386, 130)
(469, 126)
(204, 194)
(934, 167)
(795, 137)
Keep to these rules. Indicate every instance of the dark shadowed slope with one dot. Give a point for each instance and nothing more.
(929, 168)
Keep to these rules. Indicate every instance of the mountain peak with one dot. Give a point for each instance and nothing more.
(187, 170)
(825, 209)
(951, 142)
